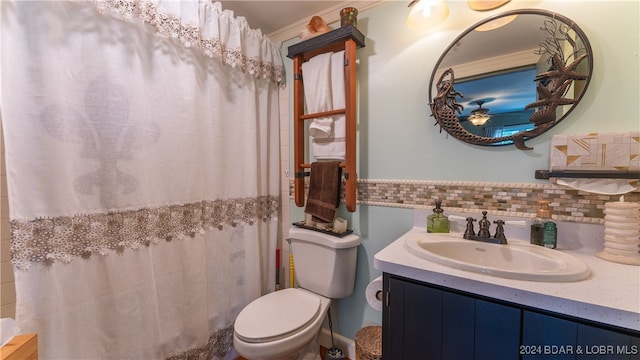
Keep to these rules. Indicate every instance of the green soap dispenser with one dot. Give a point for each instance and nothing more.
(438, 222)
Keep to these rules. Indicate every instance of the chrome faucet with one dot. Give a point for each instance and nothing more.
(483, 232)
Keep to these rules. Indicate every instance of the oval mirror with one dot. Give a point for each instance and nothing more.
(510, 78)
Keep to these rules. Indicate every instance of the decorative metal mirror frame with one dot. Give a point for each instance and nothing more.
(444, 106)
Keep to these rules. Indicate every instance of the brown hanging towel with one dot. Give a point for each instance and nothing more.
(324, 190)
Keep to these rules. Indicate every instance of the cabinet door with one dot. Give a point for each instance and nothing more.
(544, 336)
(602, 344)
(458, 326)
(413, 322)
(497, 329)
(421, 322)
(635, 348)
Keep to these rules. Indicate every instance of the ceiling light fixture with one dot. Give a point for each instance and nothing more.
(486, 5)
(426, 14)
(479, 116)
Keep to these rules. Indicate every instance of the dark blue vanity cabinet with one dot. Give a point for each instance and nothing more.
(547, 335)
(424, 321)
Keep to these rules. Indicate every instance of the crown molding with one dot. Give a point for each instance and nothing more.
(329, 15)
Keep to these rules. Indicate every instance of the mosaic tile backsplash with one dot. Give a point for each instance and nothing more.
(507, 199)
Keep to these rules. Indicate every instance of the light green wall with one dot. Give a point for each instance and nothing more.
(397, 139)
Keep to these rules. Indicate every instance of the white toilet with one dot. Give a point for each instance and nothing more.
(282, 324)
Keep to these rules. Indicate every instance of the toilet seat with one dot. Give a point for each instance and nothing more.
(277, 315)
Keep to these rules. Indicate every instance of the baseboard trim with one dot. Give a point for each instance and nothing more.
(348, 346)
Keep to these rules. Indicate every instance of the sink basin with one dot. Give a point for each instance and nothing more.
(520, 261)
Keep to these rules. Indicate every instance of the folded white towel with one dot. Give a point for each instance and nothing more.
(333, 145)
(600, 186)
(317, 92)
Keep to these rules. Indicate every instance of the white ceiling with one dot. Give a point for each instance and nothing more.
(282, 20)
(269, 15)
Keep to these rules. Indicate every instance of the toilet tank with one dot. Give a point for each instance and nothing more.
(323, 263)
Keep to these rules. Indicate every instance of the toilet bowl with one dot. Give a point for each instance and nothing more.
(286, 324)
(280, 324)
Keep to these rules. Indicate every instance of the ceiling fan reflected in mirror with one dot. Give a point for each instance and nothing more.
(479, 116)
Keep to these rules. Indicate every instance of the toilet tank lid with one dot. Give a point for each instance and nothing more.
(327, 240)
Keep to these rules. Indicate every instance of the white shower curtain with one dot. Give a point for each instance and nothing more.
(141, 143)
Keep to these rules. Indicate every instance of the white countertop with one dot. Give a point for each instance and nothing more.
(610, 295)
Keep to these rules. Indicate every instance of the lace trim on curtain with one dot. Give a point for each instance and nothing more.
(171, 25)
(63, 238)
(217, 347)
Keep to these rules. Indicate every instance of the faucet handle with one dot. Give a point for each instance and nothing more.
(469, 232)
(500, 231)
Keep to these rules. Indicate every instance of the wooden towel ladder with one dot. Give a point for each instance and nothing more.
(347, 38)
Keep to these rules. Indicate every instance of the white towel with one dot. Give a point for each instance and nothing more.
(317, 92)
(597, 151)
(332, 146)
(600, 186)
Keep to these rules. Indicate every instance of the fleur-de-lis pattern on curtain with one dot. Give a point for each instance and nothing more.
(142, 154)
